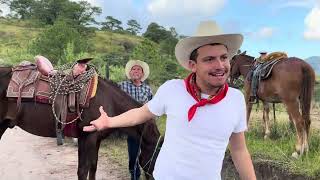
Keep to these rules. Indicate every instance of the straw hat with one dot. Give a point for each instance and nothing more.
(145, 68)
(207, 32)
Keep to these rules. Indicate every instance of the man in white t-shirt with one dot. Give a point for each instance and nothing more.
(204, 115)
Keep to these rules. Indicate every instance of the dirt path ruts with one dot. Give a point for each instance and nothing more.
(24, 156)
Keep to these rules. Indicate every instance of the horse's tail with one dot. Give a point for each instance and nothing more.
(308, 82)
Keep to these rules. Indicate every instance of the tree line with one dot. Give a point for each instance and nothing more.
(68, 27)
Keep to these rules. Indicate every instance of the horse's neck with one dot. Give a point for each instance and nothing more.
(121, 102)
(244, 70)
(246, 66)
(5, 76)
(150, 147)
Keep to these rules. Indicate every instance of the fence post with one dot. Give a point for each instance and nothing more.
(107, 70)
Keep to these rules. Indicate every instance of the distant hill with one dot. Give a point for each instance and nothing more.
(314, 61)
(19, 34)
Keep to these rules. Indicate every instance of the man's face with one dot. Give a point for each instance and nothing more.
(136, 73)
(212, 66)
(263, 55)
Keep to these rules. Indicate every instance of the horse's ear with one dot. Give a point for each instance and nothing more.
(244, 53)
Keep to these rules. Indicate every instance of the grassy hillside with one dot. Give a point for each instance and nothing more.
(107, 41)
(16, 36)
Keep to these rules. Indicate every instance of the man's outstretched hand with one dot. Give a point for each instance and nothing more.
(98, 124)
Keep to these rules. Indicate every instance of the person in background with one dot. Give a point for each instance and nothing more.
(137, 72)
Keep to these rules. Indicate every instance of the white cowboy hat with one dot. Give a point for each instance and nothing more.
(145, 68)
(208, 32)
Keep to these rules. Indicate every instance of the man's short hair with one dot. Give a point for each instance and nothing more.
(194, 54)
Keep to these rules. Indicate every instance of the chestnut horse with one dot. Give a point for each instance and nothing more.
(292, 83)
(37, 119)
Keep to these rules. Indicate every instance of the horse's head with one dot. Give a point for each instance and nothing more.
(240, 65)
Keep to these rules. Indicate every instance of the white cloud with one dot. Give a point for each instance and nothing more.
(5, 10)
(184, 15)
(92, 2)
(263, 33)
(312, 23)
(173, 8)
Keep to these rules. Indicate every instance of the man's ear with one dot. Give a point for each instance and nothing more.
(192, 65)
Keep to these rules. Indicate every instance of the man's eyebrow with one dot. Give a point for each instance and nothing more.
(207, 57)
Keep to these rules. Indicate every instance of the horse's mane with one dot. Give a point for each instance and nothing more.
(116, 86)
(247, 56)
(108, 81)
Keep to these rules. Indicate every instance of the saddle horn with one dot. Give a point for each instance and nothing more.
(84, 60)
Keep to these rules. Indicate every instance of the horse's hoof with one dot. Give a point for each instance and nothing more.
(295, 155)
(267, 135)
(59, 142)
(75, 141)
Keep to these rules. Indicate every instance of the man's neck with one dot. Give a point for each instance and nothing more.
(136, 82)
(212, 91)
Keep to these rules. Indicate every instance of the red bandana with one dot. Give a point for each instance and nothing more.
(195, 92)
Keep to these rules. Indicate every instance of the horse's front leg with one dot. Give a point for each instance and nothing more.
(266, 121)
(247, 90)
(94, 161)
(87, 155)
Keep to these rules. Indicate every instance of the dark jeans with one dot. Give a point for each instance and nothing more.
(133, 150)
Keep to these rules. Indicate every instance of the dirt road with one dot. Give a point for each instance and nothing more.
(24, 156)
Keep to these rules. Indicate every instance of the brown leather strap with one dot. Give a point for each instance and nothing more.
(72, 102)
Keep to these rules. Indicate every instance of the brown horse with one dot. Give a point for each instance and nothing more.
(37, 119)
(238, 69)
(292, 83)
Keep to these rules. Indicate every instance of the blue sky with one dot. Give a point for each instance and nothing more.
(292, 26)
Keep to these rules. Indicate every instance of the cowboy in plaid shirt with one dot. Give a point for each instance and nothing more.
(136, 71)
(141, 93)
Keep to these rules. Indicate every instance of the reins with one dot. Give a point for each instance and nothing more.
(152, 157)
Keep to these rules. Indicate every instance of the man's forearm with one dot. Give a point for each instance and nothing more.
(131, 118)
(243, 164)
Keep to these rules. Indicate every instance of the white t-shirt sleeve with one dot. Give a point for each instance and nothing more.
(157, 105)
(242, 122)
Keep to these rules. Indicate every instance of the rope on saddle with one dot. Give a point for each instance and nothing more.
(62, 84)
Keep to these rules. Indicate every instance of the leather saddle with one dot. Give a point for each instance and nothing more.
(62, 90)
(263, 70)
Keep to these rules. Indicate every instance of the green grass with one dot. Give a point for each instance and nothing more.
(277, 150)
